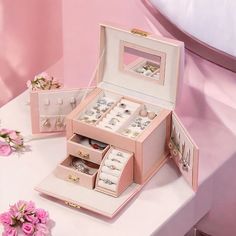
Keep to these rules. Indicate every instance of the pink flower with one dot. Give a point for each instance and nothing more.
(41, 229)
(28, 228)
(13, 135)
(30, 207)
(16, 138)
(5, 218)
(5, 149)
(42, 215)
(32, 219)
(10, 231)
(18, 209)
(5, 131)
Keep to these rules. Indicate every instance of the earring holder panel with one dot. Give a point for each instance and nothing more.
(44, 103)
(184, 139)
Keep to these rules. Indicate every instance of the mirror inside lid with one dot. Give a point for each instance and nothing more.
(139, 65)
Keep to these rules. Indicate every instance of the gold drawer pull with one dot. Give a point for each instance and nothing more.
(72, 204)
(73, 178)
(83, 155)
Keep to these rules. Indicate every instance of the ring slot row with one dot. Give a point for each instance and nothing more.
(114, 175)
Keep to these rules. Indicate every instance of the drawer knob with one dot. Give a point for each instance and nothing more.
(83, 155)
(73, 178)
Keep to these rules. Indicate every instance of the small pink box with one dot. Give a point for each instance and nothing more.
(132, 110)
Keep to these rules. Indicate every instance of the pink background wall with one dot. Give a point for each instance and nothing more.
(81, 32)
(30, 41)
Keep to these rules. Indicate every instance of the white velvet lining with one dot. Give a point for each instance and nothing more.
(113, 75)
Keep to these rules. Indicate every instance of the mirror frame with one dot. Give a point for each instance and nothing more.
(162, 55)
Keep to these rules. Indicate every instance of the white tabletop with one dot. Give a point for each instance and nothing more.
(166, 205)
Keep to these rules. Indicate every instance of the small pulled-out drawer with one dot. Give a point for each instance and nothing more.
(86, 148)
(78, 171)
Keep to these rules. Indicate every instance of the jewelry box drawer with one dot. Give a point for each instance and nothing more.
(86, 148)
(77, 171)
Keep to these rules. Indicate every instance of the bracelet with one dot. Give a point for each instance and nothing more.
(96, 144)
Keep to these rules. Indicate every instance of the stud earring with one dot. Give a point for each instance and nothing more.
(59, 123)
(73, 102)
(46, 102)
(59, 101)
(46, 123)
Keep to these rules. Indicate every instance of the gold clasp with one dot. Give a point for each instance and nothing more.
(72, 204)
(83, 155)
(139, 32)
(73, 178)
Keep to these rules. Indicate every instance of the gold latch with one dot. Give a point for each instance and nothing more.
(83, 155)
(72, 204)
(139, 32)
(73, 178)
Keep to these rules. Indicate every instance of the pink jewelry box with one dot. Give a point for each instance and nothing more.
(138, 76)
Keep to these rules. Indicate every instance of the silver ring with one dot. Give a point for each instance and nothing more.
(107, 181)
(114, 159)
(102, 101)
(119, 154)
(110, 104)
(112, 167)
(89, 113)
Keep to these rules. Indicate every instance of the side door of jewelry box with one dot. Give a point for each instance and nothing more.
(49, 108)
(184, 151)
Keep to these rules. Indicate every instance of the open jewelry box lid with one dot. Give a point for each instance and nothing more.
(123, 54)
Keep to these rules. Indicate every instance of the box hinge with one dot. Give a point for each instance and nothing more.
(139, 32)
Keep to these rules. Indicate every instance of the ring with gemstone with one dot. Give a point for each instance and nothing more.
(107, 181)
(110, 104)
(101, 101)
(122, 105)
(89, 113)
(120, 154)
(113, 121)
(114, 159)
(128, 112)
(112, 167)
